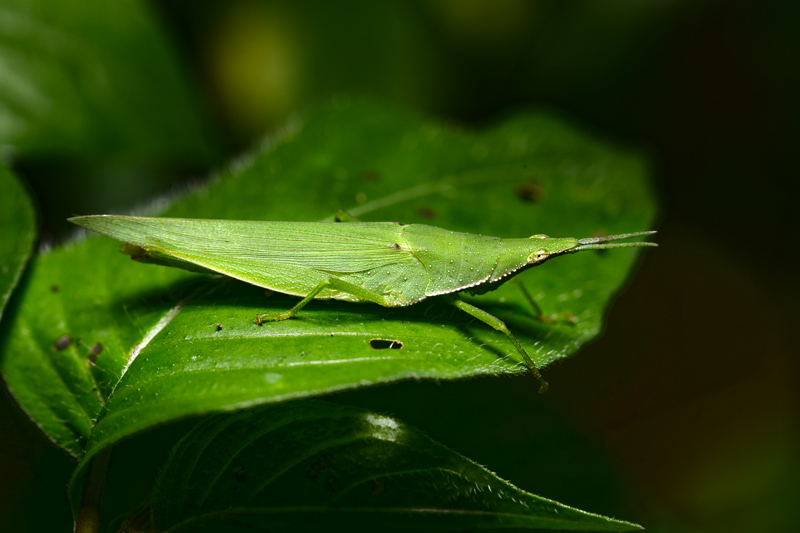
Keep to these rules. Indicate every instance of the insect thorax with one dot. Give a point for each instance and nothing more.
(452, 260)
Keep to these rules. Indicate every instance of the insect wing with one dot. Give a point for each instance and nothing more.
(290, 257)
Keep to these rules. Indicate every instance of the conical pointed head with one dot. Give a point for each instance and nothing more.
(521, 254)
(545, 247)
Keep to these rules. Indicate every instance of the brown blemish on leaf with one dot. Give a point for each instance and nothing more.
(530, 192)
(62, 343)
(426, 212)
(95, 350)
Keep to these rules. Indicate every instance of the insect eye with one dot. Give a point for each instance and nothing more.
(539, 236)
(538, 256)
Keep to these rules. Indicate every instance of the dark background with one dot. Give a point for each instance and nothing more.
(684, 416)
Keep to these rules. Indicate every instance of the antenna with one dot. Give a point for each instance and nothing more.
(598, 243)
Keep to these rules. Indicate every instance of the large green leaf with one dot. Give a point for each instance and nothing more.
(17, 227)
(312, 466)
(532, 174)
(82, 78)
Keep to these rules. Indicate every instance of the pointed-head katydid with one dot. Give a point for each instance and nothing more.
(387, 263)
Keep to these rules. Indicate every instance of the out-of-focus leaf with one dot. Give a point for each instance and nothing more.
(83, 79)
(17, 225)
(311, 466)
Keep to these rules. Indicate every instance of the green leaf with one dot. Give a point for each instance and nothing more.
(84, 78)
(312, 466)
(17, 221)
(72, 336)
(531, 174)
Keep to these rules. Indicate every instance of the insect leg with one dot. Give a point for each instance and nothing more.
(333, 283)
(343, 216)
(499, 325)
(549, 319)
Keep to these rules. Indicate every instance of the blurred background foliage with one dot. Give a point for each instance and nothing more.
(692, 427)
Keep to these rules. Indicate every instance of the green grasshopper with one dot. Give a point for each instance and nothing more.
(387, 263)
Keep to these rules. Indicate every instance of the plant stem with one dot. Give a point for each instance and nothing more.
(89, 513)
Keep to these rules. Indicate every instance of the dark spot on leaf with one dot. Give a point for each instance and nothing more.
(320, 466)
(385, 344)
(94, 352)
(55, 288)
(530, 192)
(238, 472)
(371, 176)
(426, 212)
(62, 343)
(332, 484)
(378, 486)
(394, 245)
(219, 327)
